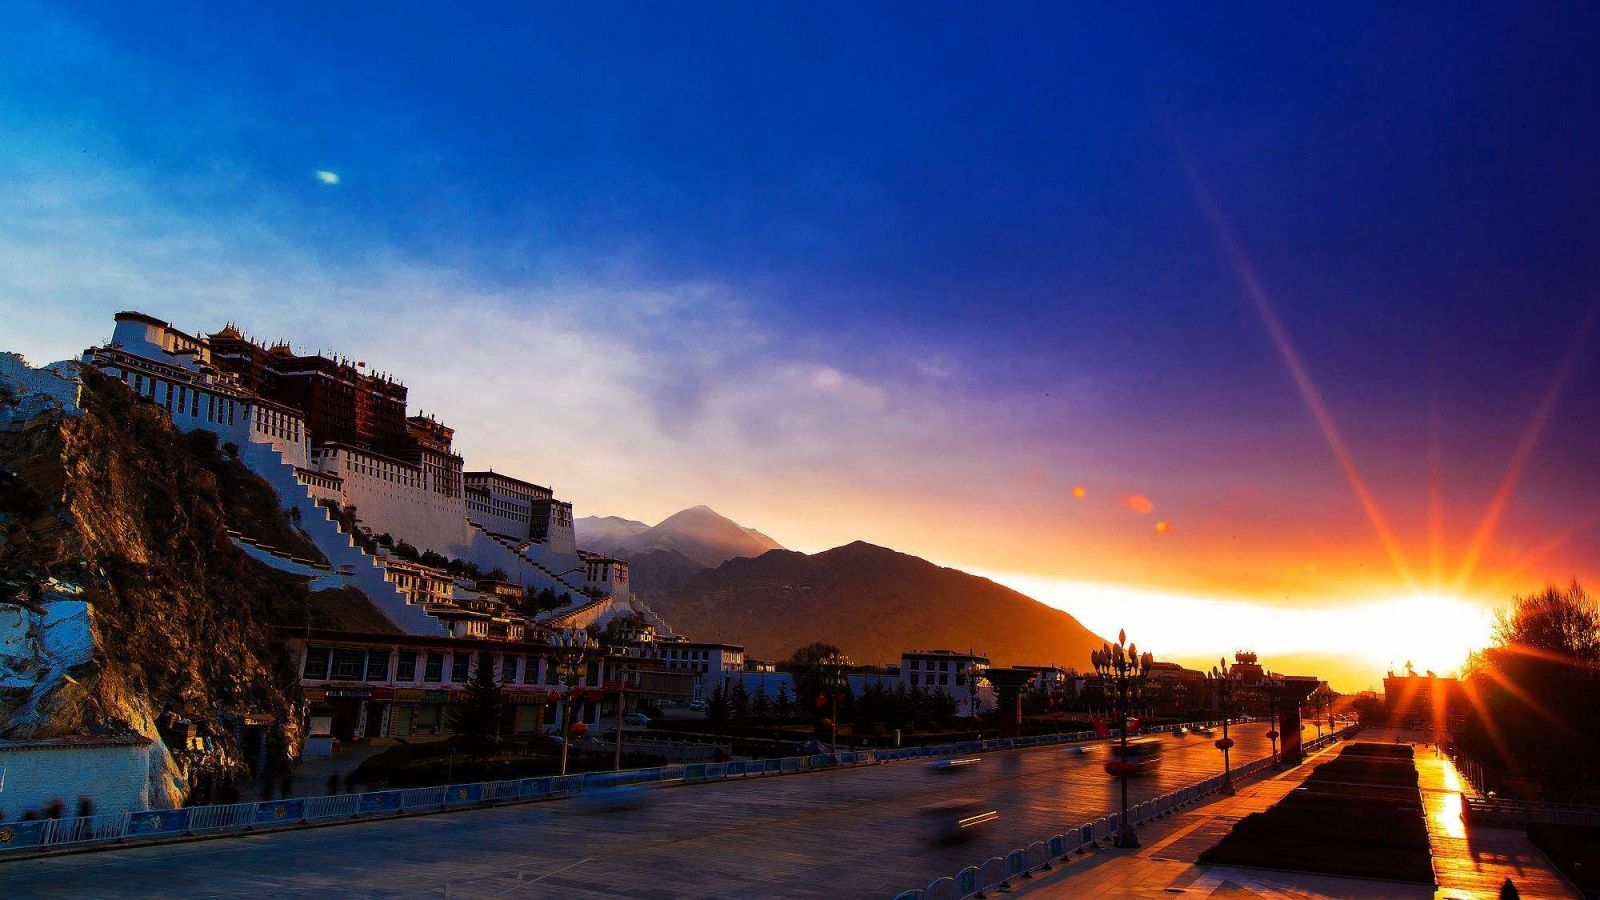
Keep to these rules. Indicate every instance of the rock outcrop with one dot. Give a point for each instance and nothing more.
(123, 600)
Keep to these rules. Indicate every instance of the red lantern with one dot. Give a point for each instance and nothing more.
(1225, 744)
(1133, 724)
(821, 701)
(580, 729)
(1121, 768)
(1272, 735)
(552, 697)
(827, 723)
(839, 697)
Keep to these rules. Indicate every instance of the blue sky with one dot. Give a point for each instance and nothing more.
(905, 273)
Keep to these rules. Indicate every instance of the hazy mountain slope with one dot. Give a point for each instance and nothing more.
(602, 533)
(698, 533)
(873, 603)
(660, 570)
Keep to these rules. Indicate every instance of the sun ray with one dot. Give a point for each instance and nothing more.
(1525, 447)
(1517, 691)
(1491, 727)
(1435, 495)
(1309, 392)
(1539, 554)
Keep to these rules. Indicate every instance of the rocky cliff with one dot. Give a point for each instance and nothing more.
(123, 600)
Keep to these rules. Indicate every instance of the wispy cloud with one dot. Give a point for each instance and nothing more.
(630, 397)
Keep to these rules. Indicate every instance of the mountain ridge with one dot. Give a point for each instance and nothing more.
(699, 533)
(874, 603)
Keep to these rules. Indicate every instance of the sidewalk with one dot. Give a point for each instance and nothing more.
(311, 776)
(1476, 862)
(1466, 866)
(1166, 865)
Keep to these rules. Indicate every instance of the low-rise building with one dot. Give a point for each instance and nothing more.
(364, 687)
(945, 671)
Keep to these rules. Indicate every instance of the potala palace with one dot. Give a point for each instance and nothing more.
(368, 484)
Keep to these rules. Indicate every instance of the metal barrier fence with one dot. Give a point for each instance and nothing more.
(123, 828)
(998, 871)
(1493, 811)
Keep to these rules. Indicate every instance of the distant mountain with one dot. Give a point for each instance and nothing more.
(873, 603)
(699, 534)
(602, 533)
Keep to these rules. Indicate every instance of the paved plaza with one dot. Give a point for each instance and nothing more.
(852, 832)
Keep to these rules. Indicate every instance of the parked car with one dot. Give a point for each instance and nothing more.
(698, 705)
(636, 720)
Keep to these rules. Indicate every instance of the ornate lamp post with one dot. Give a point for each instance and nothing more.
(1221, 683)
(572, 649)
(1122, 671)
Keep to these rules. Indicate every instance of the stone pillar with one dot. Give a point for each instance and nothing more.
(1288, 723)
(1008, 684)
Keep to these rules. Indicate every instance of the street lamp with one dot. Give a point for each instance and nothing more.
(1122, 671)
(1220, 681)
(973, 676)
(572, 649)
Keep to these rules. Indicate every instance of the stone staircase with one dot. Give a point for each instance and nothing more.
(517, 549)
(345, 556)
(652, 617)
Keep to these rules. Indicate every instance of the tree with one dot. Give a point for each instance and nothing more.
(761, 704)
(535, 602)
(496, 574)
(818, 671)
(1556, 624)
(477, 720)
(405, 551)
(717, 707)
(434, 559)
(1534, 695)
(739, 702)
(783, 704)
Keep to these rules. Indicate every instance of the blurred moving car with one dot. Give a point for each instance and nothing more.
(948, 766)
(636, 720)
(1144, 755)
(956, 820)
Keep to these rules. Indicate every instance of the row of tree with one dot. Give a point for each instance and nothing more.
(1531, 710)
(877, 705)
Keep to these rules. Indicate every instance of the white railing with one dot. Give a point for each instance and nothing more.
(126, 828)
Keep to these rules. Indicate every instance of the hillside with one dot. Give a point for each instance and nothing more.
(115, 526)
(660, 570)
(873, 603)
(699, 533)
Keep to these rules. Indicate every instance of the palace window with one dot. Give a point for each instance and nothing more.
(377, 665)
(348, 664)
(316, 662)
(435, 668)
(460, 667)
(406, 667)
